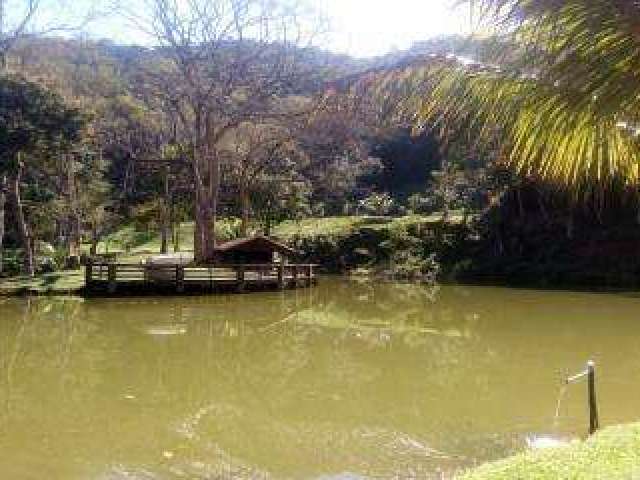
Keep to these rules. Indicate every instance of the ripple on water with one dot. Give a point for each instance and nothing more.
(167, 330)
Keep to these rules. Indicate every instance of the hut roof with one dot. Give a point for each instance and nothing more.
(255, 244)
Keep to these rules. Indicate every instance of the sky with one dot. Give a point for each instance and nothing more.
(374, 27)
(360, 28)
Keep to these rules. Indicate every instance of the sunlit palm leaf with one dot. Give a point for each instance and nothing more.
(564, 106)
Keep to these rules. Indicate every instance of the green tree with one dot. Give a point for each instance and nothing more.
(35, 124)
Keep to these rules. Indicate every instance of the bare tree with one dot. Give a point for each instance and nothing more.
(226, 63)
(256, 151)
(20, 19)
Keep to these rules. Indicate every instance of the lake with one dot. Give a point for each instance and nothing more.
(343, 381)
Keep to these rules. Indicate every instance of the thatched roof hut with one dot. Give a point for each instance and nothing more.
(253, 250)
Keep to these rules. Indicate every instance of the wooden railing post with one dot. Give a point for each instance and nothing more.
(240, 283)
(112, 273)
(281, 277)
(180, 278)
(310, 274)
(88, 274)
(295, 276)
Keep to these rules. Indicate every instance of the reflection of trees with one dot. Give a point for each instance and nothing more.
(344, 377)
(287, 382)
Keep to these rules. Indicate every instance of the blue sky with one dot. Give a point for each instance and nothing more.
(373, 27)
(357, 27)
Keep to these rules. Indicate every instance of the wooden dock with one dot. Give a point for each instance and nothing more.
(112, 278)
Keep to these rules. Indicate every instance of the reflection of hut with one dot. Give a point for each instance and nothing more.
(254, 250)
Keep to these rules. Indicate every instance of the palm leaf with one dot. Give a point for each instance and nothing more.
(563, 107)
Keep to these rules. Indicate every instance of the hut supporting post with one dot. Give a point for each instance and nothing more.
(112, 278)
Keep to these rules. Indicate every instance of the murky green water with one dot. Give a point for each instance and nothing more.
(341, 381)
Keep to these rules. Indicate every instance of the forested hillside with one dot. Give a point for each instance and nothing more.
(321, 152)
(235, 134)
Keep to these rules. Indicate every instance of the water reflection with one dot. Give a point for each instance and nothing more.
(346, 380)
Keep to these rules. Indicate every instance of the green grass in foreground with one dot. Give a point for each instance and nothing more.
(612, 454)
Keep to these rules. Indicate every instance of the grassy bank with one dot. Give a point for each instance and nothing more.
(56, 283)
(338, 243)
(612, 454)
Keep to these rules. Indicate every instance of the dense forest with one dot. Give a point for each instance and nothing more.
(122, 159)
(240, 130)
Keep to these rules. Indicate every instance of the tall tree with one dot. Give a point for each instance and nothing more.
(34, 124)
(228, 61)
(255, 153)
(18, 19)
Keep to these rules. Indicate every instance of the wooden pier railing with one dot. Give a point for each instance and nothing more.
(112, 276)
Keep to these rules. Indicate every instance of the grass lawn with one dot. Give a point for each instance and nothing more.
(612, 454)
(63, 282)
(133, 246)
(311, 227)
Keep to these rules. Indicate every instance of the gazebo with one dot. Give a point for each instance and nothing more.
(253, 250)
(255, 263)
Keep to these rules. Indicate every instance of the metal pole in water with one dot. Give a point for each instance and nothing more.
(594, 423)
(590, 373)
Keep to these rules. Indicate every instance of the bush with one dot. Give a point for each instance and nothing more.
(377, 204)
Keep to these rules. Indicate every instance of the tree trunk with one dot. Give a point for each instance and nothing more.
(23, 229)
(206, 172)
(267, 227)
(93, 251)
(166, 214)
(164, 239)
(3, 201)
(214, 191)
(199, 236)
(245, 202)
(176, 236)
(73, 247)
(73, 259)
(205, 222)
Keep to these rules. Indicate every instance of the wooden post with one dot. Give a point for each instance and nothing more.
(112, 277)
(240, 279)
(180, 278)
(295, 276)
(310, 274)
(281, 279)
(88, 274)
(594, 423)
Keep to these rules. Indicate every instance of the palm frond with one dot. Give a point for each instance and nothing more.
(565, 107)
